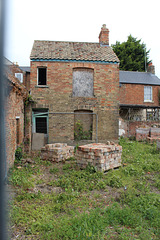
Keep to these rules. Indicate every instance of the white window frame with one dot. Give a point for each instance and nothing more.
(19, 76)
(148, 94)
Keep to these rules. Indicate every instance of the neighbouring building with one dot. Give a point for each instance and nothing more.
(139, 100)
(16, 94)
(75, 88)
(22, 73)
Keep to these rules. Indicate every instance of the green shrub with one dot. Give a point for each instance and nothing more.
(18, 154)
(80, 134)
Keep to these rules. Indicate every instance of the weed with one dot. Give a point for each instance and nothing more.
(54, 170)
(46, 163)
(18, 155)
(71, 158)
(20, 177)
(101, 185)
(67, 166)
(80, 134)
(91, 169)
(113, 180)
(28, 196)
(121, 204)
(76, 147)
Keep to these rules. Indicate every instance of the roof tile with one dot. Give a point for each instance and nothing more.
(52, 50)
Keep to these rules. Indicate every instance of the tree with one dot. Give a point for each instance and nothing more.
(132, 54)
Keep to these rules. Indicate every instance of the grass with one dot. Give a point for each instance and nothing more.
(60, 201)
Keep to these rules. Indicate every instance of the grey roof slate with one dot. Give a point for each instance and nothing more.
(25, 69)
(74, 51)
(145, 78)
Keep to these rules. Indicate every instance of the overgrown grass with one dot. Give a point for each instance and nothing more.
(120, 204)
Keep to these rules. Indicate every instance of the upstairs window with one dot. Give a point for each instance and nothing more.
(83, 82)
(42, 76)
(147, 94)
(19, 76)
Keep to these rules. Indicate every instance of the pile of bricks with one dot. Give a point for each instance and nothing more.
(102, 156)
(142, 134)
(155, 132)
(149, 134)
(57, 152)
(154, 135)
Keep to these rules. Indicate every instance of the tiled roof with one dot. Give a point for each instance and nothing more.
(8, 74)
(145, 78)
(14, 81)
(72, 51)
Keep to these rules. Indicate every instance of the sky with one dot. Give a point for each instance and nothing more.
(79, 21)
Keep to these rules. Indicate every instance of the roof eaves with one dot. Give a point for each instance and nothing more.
(72, 60)
(137, 106)
(139, 83)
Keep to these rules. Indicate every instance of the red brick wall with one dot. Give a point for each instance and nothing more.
(14, 108)
(134, 94)
(26, 80)
(58, 97)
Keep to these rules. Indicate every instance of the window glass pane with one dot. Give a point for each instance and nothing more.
(19, 76)
(42, 76)
(147, 93)
(41, 125)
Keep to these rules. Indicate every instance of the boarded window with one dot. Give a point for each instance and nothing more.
(82, 82)
(42, 76)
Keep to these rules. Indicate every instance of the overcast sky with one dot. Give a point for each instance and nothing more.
(81, 21)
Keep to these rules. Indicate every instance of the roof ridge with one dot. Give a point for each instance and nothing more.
(132, 71)
(65, 41)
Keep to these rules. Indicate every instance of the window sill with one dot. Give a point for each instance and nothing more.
(84, 97)
(41, 86)
(148, 101)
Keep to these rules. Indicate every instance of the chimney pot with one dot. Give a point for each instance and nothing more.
(104, 35)
(151, 68)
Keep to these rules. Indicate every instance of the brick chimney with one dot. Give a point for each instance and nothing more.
(104, 35)
(151, 68)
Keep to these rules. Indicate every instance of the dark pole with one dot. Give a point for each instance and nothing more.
(2, 128)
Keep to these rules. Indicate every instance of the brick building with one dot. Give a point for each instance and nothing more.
(16, 94)
(22, 73)
(75, 87)
(139, 100)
